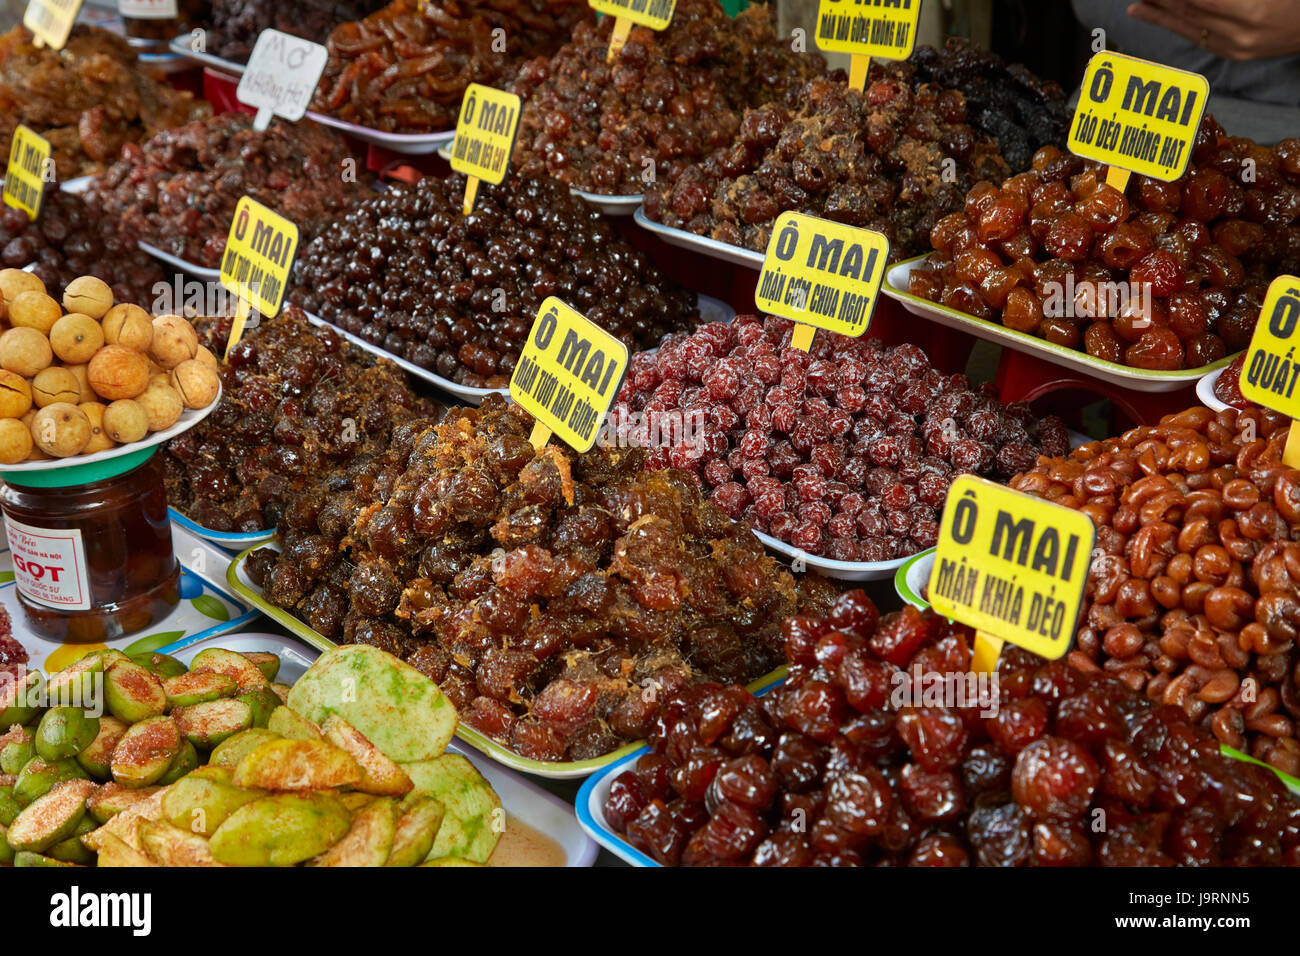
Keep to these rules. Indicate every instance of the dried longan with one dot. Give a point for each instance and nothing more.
(99, 441)
(125, 421)
(118, 372)
(61, 430)
(89, 296)
(174, 341)
(53, 385)
(206, 357)
(15, 441)
(25, 351)
(83, 380)
(76, 338)
(163, 405)
(34, 310)
(35, 454)
(13, 283)
(15, 395)
(197, 383)
(128, 325)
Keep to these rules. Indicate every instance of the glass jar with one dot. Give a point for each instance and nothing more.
(151, 24)
(93, 560)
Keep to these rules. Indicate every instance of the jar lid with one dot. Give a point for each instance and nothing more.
(79, 474)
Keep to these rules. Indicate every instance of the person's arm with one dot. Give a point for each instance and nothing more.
(1233, 29)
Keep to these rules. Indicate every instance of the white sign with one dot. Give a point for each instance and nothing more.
(281, 77)
(148, 9)
(50, 565)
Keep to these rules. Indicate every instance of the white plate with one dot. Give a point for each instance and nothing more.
(1081, 363)
(840, 570)
(189, 418)
(78, 185)
(202, 272)
(409, 144)
(523, 800)
(1205, 391)
(913, 576)
(235, 541)
(181, 47)
(701, 244)
(611, 205)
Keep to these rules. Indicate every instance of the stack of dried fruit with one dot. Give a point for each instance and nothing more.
(1194, 595)
(150, 370)
(235, 25)
(844, 766)
(545, 592)
(846, 452)
(1163, 276)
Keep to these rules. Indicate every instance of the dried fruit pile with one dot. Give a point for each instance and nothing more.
(827, 771)
(546, 594)
(88, 100)
(297, 400)
(236, 24)
(404, 68)
(666, 101)
(457, 294)
(1164, 276)
(1194, 593)
(846, 452)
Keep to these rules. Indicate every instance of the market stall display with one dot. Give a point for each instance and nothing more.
(233, 26)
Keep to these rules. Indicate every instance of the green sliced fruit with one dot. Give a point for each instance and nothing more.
(75, 685)
(201, 801)
(186, 760)
(267, 663)
(234, 665)
(6, 851)
(162, 666)
(126, 825)
(145, 752)
(172, 846)
(51, 818)
(229, 752)
(111, 655)
(417, 828)
(28, 859)
(197, 687)
(132, 693)
(38, 777)
(72, 850)
(206, 725)
(19, 699)
(113, 851)
(9, 805)
(282, 692)
(379, 775)
(474, 818)
(397, 708)
(112, 798)
(16, 748)
(297, 765)
(369, 839)
(280, 830)
(65, 732)
(292, 725)
(263, 703)
(97, 759)
(354, 800)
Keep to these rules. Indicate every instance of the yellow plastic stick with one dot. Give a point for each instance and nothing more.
(859, 67)
(987, 650)
(617, 39)
(237, 327)
(540, 436)
(1117, 178)
(1291, 454)
(471, 190)
(802, 338)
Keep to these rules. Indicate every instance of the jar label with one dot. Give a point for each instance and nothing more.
(50, 565)
(148, 9)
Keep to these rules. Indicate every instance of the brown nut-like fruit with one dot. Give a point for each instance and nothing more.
(15, 441)
(55, 384)
(118, 372)
(128, 325)
(197, 382)
(14, 282)
(206, 357)
(83, 380)
(125, 421)
(34, 310)
(15, 395)
(158, 378)
(174, 341)
(89, 296)
(163, 405)
(25, 351)
(99, 441)
(76, 338)
(61, 430)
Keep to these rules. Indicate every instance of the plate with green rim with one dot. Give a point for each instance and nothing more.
(1123, 376)
(241, 584)
(910, 579)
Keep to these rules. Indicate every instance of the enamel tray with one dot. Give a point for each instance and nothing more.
(201, 272)
(1205, 391)
(243, 585)
(701, 244)
(523, 800)
(1141, 380)
(911, 579)
(609, 205)
(230, 540)
(840, 570)
(181, 47)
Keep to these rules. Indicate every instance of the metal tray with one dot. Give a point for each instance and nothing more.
(181, 47)
(701, 244)
(1140, 380)
(201, 272)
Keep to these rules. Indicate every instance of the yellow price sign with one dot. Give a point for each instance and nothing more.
(1011, 566)
(51, 20)
(29, 169)
(655, 14)
(257, 261)
(1138, 116)
(886, 30)
(485, 137)
(568, 375)
(822, 275)
(1270, 375)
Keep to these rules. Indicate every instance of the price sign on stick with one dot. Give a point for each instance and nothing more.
(1010, 565)
(281, 77)
(30, 168)
(655, 14)
(1137, 117)
(1271, 373)
(883, 30)
(822, 275)
(257, 261)
(51, 21)
(485, 137)
(567, 376)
